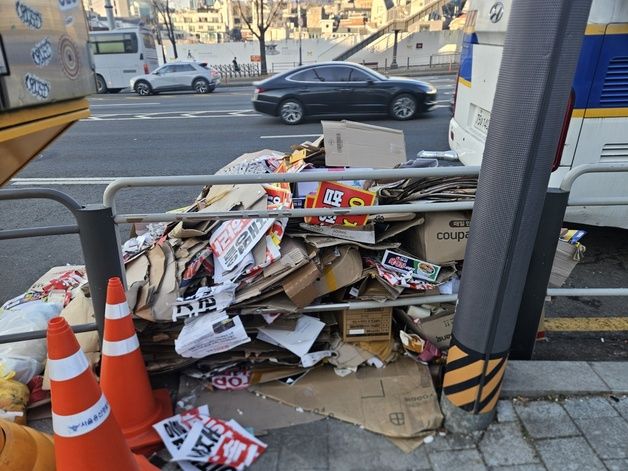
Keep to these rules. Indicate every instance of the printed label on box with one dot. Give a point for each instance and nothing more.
(404, 264)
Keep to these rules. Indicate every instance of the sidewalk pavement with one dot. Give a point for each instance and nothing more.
(553, 415)
(536, 428)
(579, 433)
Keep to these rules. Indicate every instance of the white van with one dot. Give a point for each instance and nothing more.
(121, 54)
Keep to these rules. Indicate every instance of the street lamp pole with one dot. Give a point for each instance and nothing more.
(300, 36)
(109, 11)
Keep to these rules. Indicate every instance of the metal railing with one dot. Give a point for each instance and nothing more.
(277, 67)
(99, 229)
(92, 222)
(423, 66)
(228, 71)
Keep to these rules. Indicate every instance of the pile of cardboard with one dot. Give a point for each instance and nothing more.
(247, 301)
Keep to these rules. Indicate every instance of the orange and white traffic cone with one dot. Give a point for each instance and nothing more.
(124, 379)
(86, 434)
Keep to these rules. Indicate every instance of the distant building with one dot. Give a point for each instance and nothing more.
(327, 28)
(213, 23)
(120, 7)
(314, 16)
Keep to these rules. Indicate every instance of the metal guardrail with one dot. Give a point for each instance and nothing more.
(98, 225)
(228, 71)
(277, 67)
(112, 190)
(7, 234)
(198, 180)
(572, 175)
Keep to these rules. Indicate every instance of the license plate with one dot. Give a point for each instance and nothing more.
(481, 118)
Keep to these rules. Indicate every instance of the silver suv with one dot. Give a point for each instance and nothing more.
(181, 75)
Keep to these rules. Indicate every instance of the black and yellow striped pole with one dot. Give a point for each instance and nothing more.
(537, 69)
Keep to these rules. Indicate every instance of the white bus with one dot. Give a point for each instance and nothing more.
(596, 121)
(121, 54)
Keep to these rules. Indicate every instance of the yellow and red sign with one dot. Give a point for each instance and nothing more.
(337, 195)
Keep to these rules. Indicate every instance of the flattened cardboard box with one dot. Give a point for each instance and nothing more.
(563, 264)
(350, 144)
(396, 401)
(363, 325)
(437, 328)
(306, 284)
(441, 238)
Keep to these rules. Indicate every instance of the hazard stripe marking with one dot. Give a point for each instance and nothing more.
(461, 375)
(586, 324)
(490, 405)
(472, 381)
(468, 396)
(455, 354)
(491, 384)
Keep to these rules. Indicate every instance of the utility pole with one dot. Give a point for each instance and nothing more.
(520, 146)
(300, 36)
(109, 10)
(393, 64)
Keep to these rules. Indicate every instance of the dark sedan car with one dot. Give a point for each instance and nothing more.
(342, 89)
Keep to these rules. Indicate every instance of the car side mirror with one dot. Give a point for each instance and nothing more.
(156, 73)
(370, 82)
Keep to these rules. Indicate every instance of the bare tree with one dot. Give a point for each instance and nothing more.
(162, 7)
(261, 24)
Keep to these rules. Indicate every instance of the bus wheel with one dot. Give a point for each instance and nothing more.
(101, 85)
(142, 88)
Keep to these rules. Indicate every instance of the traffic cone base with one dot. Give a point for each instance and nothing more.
(143, 438)
(123, 376)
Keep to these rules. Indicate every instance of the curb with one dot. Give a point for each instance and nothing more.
(535, 379)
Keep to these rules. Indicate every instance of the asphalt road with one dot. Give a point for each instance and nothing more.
(166, 134)
(182, 134)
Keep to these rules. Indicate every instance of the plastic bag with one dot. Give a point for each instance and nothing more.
(13, 398)
(26, 358)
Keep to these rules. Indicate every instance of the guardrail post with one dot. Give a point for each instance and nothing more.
(535, 289)
(101, 251)
(513, 182)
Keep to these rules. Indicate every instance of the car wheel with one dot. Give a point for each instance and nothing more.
(143, 88)
(101, 85)
(211, 89)
(291, 112)
(201, 86)
(403, 107)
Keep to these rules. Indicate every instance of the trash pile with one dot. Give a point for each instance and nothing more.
(261, 304)
(22, 363)
(252, 300)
